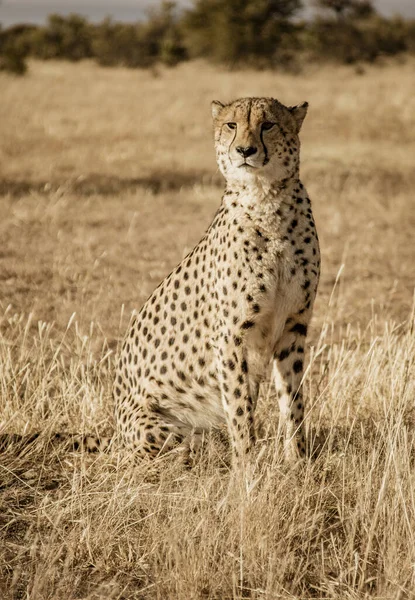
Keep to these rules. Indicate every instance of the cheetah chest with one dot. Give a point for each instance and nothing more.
(281, 281)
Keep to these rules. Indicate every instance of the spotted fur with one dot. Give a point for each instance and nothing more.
(196, 353)
(71, 441)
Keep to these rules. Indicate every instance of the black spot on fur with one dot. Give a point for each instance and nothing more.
(298, 366)
(299, 328)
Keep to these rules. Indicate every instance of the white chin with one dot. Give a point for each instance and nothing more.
(247, 168)
(246, 172)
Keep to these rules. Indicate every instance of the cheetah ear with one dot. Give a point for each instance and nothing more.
(299, 112)
(216, 108)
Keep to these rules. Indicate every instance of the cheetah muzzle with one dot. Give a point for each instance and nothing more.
(194, 356)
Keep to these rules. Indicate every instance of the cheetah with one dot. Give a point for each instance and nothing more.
(240, 301)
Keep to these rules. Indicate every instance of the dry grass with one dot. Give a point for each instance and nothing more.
(107, 178)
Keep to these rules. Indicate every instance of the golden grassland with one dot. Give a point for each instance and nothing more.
(107, 178)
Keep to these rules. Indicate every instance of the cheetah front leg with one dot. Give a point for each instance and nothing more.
(288, 373)
(238, 398)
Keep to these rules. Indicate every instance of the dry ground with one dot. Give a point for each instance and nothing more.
(107, 177)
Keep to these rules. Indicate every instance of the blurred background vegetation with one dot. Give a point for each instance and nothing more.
(235, 33)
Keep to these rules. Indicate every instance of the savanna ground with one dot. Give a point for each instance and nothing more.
(107, 178)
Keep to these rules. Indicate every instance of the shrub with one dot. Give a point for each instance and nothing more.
(240, 31)
(118, 44)
(359, 40)
(14, 50)
(163, 34)
(262, 33)
(141, 44)
(63, 37)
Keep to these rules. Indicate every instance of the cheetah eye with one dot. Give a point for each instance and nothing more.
(231, 125)
(267, 125)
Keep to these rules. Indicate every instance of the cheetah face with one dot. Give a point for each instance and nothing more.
(257, 138)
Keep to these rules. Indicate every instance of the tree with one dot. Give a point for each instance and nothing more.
(237, 31)
(14, 49)
(63, 37)
(347, 8)
(163, 34)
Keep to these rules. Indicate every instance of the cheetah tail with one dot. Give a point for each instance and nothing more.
(70, 441)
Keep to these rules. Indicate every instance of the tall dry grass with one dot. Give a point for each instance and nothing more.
(107, 178)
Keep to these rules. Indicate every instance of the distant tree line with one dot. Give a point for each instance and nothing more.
(236, 33)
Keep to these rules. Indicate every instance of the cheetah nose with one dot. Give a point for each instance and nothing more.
(247, 151)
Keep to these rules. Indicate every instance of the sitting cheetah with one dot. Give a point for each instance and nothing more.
(196, 353)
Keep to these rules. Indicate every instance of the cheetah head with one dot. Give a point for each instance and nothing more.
(257, 139)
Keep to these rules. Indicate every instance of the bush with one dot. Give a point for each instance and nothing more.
(63, 37)
(142, 44)
(12, 61)
(262, 33)
(117, 44)
(14, 50)
(388, 36)
(238, 32)
(163, 33)
(359, 40)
